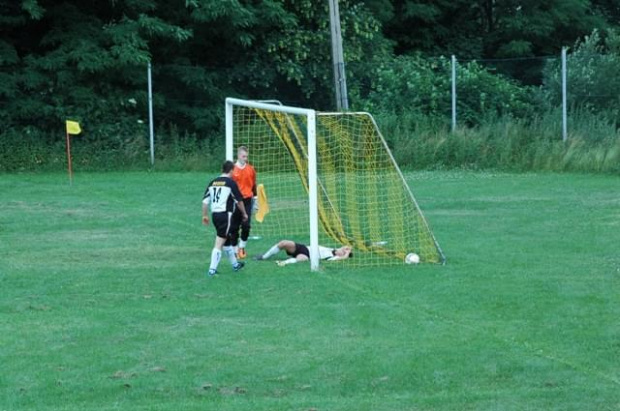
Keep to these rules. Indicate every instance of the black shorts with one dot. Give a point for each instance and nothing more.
(221, 222)
(300, 249)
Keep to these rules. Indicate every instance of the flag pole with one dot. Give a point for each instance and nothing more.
(69, 168)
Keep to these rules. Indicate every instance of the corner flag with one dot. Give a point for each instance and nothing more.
(73, 127)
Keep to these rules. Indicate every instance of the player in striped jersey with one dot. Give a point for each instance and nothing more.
(299, 252)
(223, 195)
(245, 177)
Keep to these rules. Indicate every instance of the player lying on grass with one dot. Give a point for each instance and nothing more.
(300, 252)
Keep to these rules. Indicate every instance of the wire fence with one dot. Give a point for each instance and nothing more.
(460, 92)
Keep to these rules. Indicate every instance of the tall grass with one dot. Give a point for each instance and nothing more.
(174, 151)
(418, 142)
(593, 144)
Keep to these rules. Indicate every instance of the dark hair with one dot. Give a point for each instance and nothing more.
(227, 166)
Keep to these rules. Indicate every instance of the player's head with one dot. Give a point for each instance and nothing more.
(242, 155)
(227, 167)
(346, 252)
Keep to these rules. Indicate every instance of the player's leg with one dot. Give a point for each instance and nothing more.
(219, 221)
(301, 256)
(287, 245)
(245, 229)
(300, 253)
(228, 245)
(234, 228)
(222, 223)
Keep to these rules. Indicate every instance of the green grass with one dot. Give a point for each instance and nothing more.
(105, 304)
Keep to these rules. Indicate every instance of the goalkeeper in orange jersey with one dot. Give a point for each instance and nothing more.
(245, 177)
(300, 252)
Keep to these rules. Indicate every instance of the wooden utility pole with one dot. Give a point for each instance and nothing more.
(340, 81)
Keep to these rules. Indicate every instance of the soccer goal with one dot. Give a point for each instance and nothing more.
(329, 179)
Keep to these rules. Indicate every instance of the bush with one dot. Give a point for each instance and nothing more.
(422, 87)
(593, 80)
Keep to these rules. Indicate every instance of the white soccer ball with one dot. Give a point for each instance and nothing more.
(412, 258)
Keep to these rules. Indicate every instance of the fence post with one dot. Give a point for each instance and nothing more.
(564, 104)
(151, 133)
(453, 93)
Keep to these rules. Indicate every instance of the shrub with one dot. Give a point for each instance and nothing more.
(422, 86)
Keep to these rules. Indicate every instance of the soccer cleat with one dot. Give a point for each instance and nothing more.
(238, 266)
(258, 257)
(280, 263)
(241, 254)
(212, 272)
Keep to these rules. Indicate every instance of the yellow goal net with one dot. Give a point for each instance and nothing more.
(362, 198)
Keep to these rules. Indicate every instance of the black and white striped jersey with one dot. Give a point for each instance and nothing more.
(222, 193)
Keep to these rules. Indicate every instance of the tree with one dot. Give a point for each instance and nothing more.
(88, 59)
(490, 29)
(77, 59)
(436, 27)
(281, 49)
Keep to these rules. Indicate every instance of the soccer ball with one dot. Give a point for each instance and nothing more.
(412, 258)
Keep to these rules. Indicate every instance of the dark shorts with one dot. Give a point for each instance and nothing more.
(300, 249)
(221, 222)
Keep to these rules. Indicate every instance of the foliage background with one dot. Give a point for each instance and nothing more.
(87, 61)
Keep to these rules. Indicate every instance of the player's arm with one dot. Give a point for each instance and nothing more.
(329, 254)
(288, 261)
(340, 254)
(244, 213)
(205, 207)
(239, 199)
(254, 192)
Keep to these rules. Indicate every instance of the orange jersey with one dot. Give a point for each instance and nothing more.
(245, 177)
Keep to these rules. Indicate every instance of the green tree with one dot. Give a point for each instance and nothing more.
(436, 27)
(77, 59)
(279, 49)
(88, 59)
(489, 29)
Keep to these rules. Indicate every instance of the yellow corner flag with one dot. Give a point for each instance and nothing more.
(73, 127)
(263, 206)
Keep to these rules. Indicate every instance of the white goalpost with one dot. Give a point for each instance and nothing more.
(310, 116)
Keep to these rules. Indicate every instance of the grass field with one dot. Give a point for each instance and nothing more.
(105, 304)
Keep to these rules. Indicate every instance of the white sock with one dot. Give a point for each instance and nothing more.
(215, 258)
(230, 252)
(242, 243)
(272, 251)
(291, 260)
